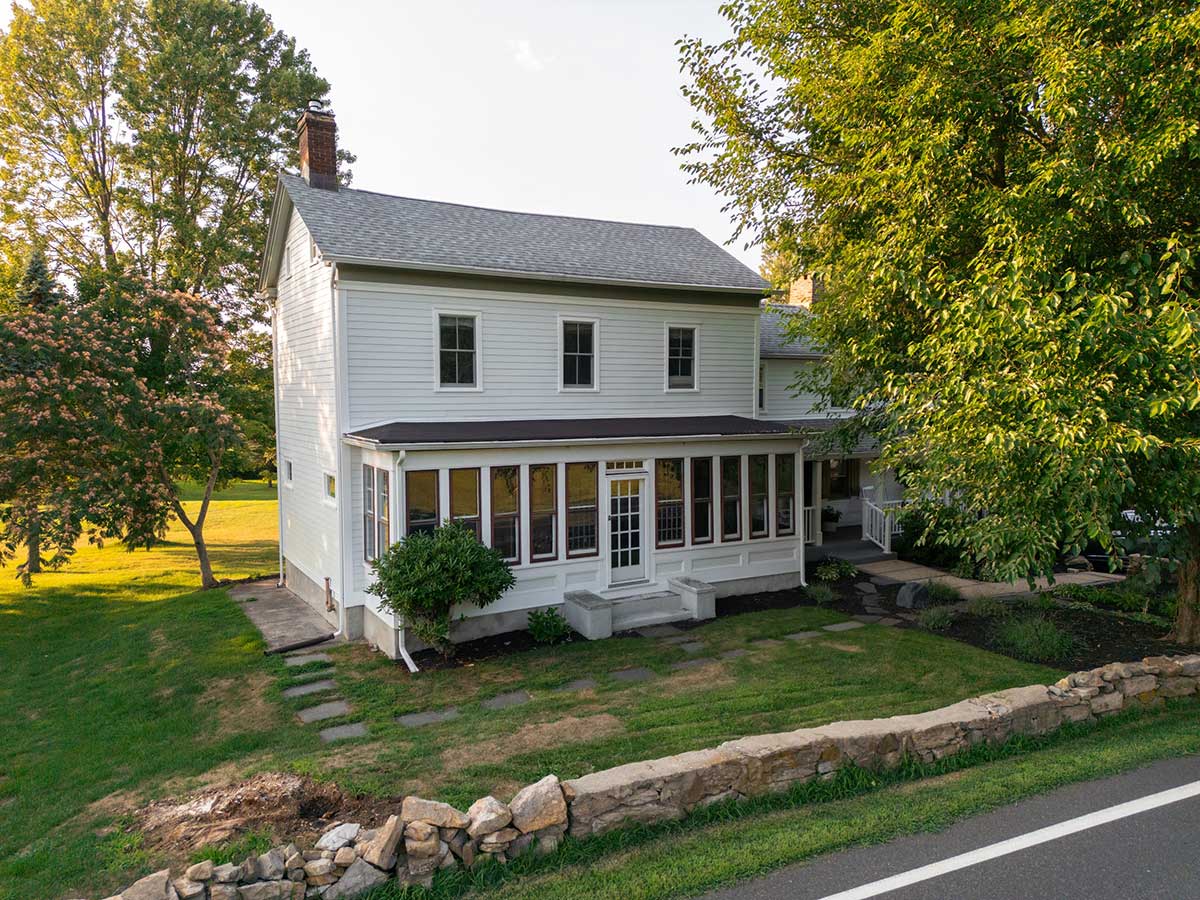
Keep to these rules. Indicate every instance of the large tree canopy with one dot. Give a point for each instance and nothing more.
(1003, 201)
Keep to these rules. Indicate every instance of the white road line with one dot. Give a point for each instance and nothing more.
(1021, 842)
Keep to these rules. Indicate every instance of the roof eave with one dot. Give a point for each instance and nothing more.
(368, 444)
(281, 209)
(738, 290)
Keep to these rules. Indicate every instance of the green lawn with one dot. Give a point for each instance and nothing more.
(121, 682)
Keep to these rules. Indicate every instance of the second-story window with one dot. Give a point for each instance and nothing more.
(457, 345)
(681, 358)
(579, 355)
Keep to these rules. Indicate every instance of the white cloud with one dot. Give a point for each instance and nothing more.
(523, 56)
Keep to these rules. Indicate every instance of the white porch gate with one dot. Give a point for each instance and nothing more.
(880, 522)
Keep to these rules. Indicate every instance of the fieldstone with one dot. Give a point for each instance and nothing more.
(318, 868)
(381, 852)
(866, 588)
(295, 861)
(226, 873)
(265, 890)
(487, 814)
(442, 815)
(539, 805)
(345, 857)
(1139, 684)
(366, 835)
(421, 844)
(913, 595)
(519, 846)
(187, 889)
(296, 874)
(1174, 686)
(502, 837)
(358, 879)
(339, 837)
(248, 871)
(222, 891)
(271, 865)
(153, 887)
(201, 871)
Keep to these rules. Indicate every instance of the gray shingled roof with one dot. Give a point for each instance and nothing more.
(422, 234)
(773, 343)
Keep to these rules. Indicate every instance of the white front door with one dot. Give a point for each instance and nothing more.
(626, 555)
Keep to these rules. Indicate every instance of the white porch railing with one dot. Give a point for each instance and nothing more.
(811, 524)
(880, 522)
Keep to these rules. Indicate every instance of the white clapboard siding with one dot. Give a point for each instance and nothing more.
(391, 356)
(307, 427)
(783, 401)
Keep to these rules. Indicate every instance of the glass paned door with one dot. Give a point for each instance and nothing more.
(626, 553)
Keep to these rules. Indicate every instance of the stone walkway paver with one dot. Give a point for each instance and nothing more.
(682, 638)
(303, 659)
(802, 635)
(636, 674)
(659, 631)
(504, 701)
(869, 620)
(767, 642)
(342, 732)
(888, 621)
(736, 653)
(842, 626)
(322, 711)
(898, 571)
(691, 646)
(312, 687)
(429, 717)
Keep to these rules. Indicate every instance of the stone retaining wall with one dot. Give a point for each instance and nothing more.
(426, 836)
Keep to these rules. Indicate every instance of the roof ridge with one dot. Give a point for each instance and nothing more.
(515, 212)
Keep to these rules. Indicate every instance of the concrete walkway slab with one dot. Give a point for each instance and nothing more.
(637, 674)
(696, 663)
(868, 620)
(802, 635)
(312, 687)
(429, 717)
(343, 732)
(504, 701)
(898, 570)
(767, 642)
(283, 618)
(322, 711)
(691, 646)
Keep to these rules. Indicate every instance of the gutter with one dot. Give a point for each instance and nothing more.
(368, 444)
(272, 297)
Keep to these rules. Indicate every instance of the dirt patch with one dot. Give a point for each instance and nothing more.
(118, 803)
(699, 678)
(241, 704)
(281, 803)
(530, 738)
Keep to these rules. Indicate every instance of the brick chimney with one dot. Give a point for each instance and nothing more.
(318, 146)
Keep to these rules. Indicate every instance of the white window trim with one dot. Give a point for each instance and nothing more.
(595, 323)
(695, 388)
(325, 498)
(289, 472)
(440, 388)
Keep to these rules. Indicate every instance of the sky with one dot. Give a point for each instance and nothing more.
(551, 106)
(568, 107)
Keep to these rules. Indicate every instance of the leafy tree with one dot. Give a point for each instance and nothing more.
(1003, 200)
(423, 577)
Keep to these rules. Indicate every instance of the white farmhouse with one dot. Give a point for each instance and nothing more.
(583, 394)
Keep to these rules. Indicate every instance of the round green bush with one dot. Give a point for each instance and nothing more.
(936, 618)
(820, 594)
(547, 626)
(424, 576)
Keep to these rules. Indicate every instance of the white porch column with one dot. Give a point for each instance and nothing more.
(818, 503)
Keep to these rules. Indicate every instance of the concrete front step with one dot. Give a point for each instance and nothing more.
(597, 617)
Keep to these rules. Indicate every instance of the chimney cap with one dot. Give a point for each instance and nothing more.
(316, 104)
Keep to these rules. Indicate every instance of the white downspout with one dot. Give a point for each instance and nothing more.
(339, 468)
(401, 647)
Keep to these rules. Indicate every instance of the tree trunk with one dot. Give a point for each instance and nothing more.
(33, 546)
(206, 572)
(196, 529)
(1187, 612)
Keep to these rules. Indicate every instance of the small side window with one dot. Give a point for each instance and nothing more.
(289, 473)
(330, 486)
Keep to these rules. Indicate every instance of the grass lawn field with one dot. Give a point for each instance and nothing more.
(121, 683)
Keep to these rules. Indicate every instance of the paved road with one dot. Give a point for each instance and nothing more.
(1145, 853)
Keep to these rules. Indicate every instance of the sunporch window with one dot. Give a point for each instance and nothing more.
(421, 500)
(464, 498)
(731, 498)
(668, 502)
(582, 491)
(543, 512)
(506, 511)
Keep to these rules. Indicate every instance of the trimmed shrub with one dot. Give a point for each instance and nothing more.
(834, 569)
(548, 627)
(820, 594)
(424, 576)
(936, 618)
(1033, 639)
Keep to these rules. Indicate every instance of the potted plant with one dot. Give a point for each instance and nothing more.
(830, 516)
